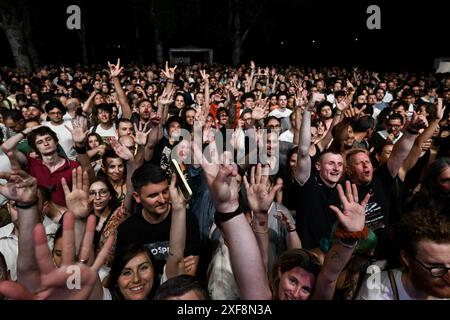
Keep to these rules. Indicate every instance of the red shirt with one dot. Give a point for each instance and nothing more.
(50, 180)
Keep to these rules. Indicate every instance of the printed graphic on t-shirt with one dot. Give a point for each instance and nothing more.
(165, 161)
(160, 249)
(374, 216)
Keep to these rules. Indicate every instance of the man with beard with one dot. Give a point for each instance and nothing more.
(325, 112)
(150, 222)
(424, 243)
(35, 111)
(147, 116)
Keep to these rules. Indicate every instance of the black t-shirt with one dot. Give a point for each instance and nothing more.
(156, 236)
(162, 156)
(314, 218)
(378, 207)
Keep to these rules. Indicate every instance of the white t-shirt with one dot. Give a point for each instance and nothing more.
(388, 97)
(9, 244)
(287, 136)
(281, 114)
(377, 286)
(105, 134)
(64, 137)
(5, 166)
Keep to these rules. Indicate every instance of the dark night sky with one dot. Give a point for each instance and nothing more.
(411, 37)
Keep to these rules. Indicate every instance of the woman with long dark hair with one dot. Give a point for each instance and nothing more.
(133, 276)
(435, 188)
(107, 208)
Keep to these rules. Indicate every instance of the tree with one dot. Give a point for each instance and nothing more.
(12, 23)
(157, 31)
(82, 34)
(29, 25)
(237, 37)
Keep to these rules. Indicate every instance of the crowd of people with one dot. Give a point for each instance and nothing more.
(219, 182)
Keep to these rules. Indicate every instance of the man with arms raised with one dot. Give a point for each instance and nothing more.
(317, 188)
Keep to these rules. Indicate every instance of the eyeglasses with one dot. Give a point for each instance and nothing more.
(437, 272)
(101, 193)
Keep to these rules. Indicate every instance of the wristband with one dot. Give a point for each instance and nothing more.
(292, 230)
(26, 205)
(221, 217)
(24, 134)
(346, 235)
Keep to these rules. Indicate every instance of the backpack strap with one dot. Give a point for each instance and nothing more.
(393, 284)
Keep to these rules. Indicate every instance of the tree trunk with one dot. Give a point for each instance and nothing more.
(83, 42)
(16, 39)
(158, 41)
(28, 36)
(137, 34)
(84, 38)
(12, 24)
(236, 33)
(33, 54)
(236, 54)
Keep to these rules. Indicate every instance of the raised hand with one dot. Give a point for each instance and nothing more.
(169, 73)
(259, 112)
(140, 90)
(122, 151)
(115, 69)
(205, 76)
(315, 97)
(440, 109)
(77, 199)
(284, 219)
(353, 112)
(199, 118)
(78, 132)
(140, 137)
(55, 282)
(20, 186)
(260, 192)
(210, 168)
(418, 122)
(353, 216)
(167, 96)
(225, 188)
